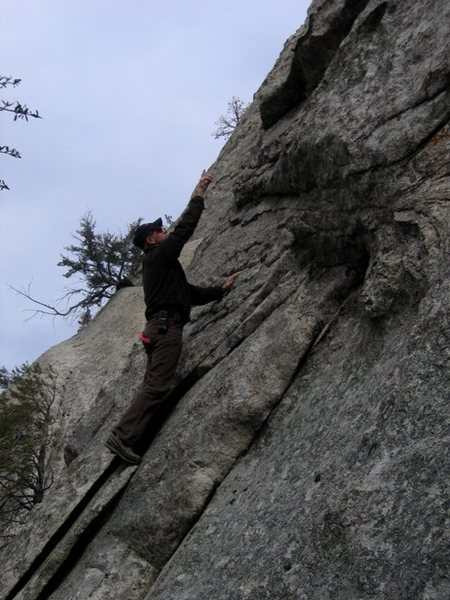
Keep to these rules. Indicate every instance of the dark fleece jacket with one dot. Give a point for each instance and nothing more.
(165, 284)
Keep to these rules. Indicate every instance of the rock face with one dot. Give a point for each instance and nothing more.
(304, 452)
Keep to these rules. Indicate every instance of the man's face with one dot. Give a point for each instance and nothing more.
(159, 235)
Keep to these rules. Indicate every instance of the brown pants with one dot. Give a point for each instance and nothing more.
(163, 353)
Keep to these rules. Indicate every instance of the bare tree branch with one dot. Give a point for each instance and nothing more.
(5, 81)
(20, 111)
(10, 151)
(227, 123)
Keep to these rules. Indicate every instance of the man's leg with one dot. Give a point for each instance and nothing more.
(163, 355)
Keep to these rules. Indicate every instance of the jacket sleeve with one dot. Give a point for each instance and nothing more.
(171, 248)
(203, 295)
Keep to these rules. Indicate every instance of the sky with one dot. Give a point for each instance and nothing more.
(129, 92)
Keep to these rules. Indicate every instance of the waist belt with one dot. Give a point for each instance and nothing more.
(173, 315)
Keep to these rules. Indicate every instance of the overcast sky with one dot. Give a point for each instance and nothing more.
(130, 91)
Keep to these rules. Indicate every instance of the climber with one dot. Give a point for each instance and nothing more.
(168, 300)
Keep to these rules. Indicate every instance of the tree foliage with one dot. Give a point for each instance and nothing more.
(227, 123)
(20, 111)
(28, 394)
(100, 263)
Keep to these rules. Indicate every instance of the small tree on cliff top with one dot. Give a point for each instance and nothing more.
(227, 123)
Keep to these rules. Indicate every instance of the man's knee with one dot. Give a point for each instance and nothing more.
(155, 391)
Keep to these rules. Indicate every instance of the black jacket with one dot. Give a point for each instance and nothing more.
(165, 284)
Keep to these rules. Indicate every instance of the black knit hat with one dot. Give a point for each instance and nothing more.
(143, 231)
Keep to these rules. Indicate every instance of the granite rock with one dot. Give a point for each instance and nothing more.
(303, 450)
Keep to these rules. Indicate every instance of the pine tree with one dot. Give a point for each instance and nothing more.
(101, 263)
(25, 434)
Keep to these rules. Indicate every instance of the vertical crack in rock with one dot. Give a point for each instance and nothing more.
(81, 535)
(62, 530)
(78, 529)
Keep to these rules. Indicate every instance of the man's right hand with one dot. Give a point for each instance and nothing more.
(202, 186)
(230, 282)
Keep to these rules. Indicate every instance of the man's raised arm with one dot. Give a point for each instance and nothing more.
(171, 248)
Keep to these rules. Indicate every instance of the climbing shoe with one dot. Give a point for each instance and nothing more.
(116, 446)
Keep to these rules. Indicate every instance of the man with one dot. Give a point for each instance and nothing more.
(168, 300)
